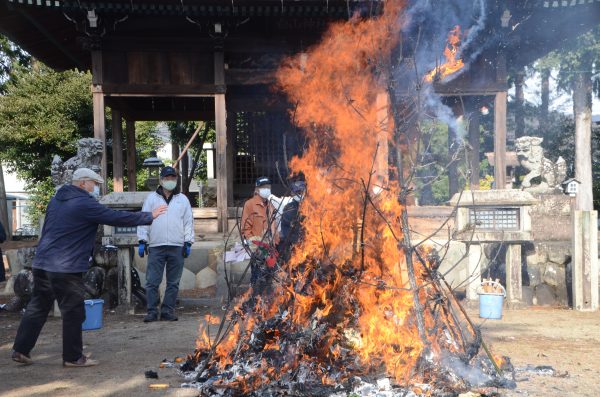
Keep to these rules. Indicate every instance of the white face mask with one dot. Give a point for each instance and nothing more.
(169, 185)
(264, 192)
(96, 192)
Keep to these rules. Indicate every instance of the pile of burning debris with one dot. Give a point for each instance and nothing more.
(306, 339)
(359, 307)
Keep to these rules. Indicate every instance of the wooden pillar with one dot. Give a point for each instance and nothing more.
(131, 155)
(514, 282)
(117, 152)
(500, 140)
(582, 109)
(98, 109)
(221, 132)
(474, 133)
(500, 104)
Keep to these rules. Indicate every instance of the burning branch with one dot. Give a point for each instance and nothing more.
(327, 314)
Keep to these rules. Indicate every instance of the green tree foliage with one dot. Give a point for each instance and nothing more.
(11, 57)
(434, 160)
(181, 133)
(43, 113)
(146, 139)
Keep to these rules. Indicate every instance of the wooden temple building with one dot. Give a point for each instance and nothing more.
(215, 60)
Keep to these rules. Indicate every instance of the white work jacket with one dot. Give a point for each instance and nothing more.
(174, 227)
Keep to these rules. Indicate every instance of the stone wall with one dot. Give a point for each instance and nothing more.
(199, 272)
(545, 271)
(547, 274)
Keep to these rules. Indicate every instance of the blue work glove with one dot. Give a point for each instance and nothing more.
(142, 248)
(187, 248)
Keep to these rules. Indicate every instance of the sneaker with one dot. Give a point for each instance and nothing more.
(82, 362)
(150, 317)
(21, 358)
(168, 317)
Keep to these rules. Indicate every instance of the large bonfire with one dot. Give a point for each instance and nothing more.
(355, 299)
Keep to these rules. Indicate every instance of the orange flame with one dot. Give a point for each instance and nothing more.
(339, 88)
(452, 65)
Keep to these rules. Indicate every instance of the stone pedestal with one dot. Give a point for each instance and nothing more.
(124, 272)
(514, 282)
(585, 260)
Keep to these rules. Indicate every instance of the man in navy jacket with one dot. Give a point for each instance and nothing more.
(62, 257)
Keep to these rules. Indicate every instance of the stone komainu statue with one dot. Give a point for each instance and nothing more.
(531, 157)
(89, 155)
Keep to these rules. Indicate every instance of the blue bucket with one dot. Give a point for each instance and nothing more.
(490, 304)
(93, 314)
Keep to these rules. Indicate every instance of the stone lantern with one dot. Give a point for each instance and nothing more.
(494, 216)
(154, 164)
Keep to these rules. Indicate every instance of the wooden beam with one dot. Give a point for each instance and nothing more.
(131, 154)
(500, 140)
(250, 76)
(169, 115)
(170, 90)
(221, 132)
(117, 150)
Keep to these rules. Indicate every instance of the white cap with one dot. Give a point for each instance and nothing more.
(86, 173)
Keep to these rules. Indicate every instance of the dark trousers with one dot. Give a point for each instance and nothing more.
(158, 258)
(68, 290)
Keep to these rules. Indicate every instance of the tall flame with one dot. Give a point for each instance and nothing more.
(349, 273)
(452, 64)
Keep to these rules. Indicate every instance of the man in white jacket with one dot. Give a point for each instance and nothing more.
(167, 242)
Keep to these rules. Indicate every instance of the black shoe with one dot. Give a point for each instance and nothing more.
(21, 358)
(83, 361)
(168, 317)
(150, 317)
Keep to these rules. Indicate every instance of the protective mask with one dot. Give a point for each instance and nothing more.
(264, 193)
(96, 192)
(169, 185)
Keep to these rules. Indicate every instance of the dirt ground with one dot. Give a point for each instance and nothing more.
(566, 340)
